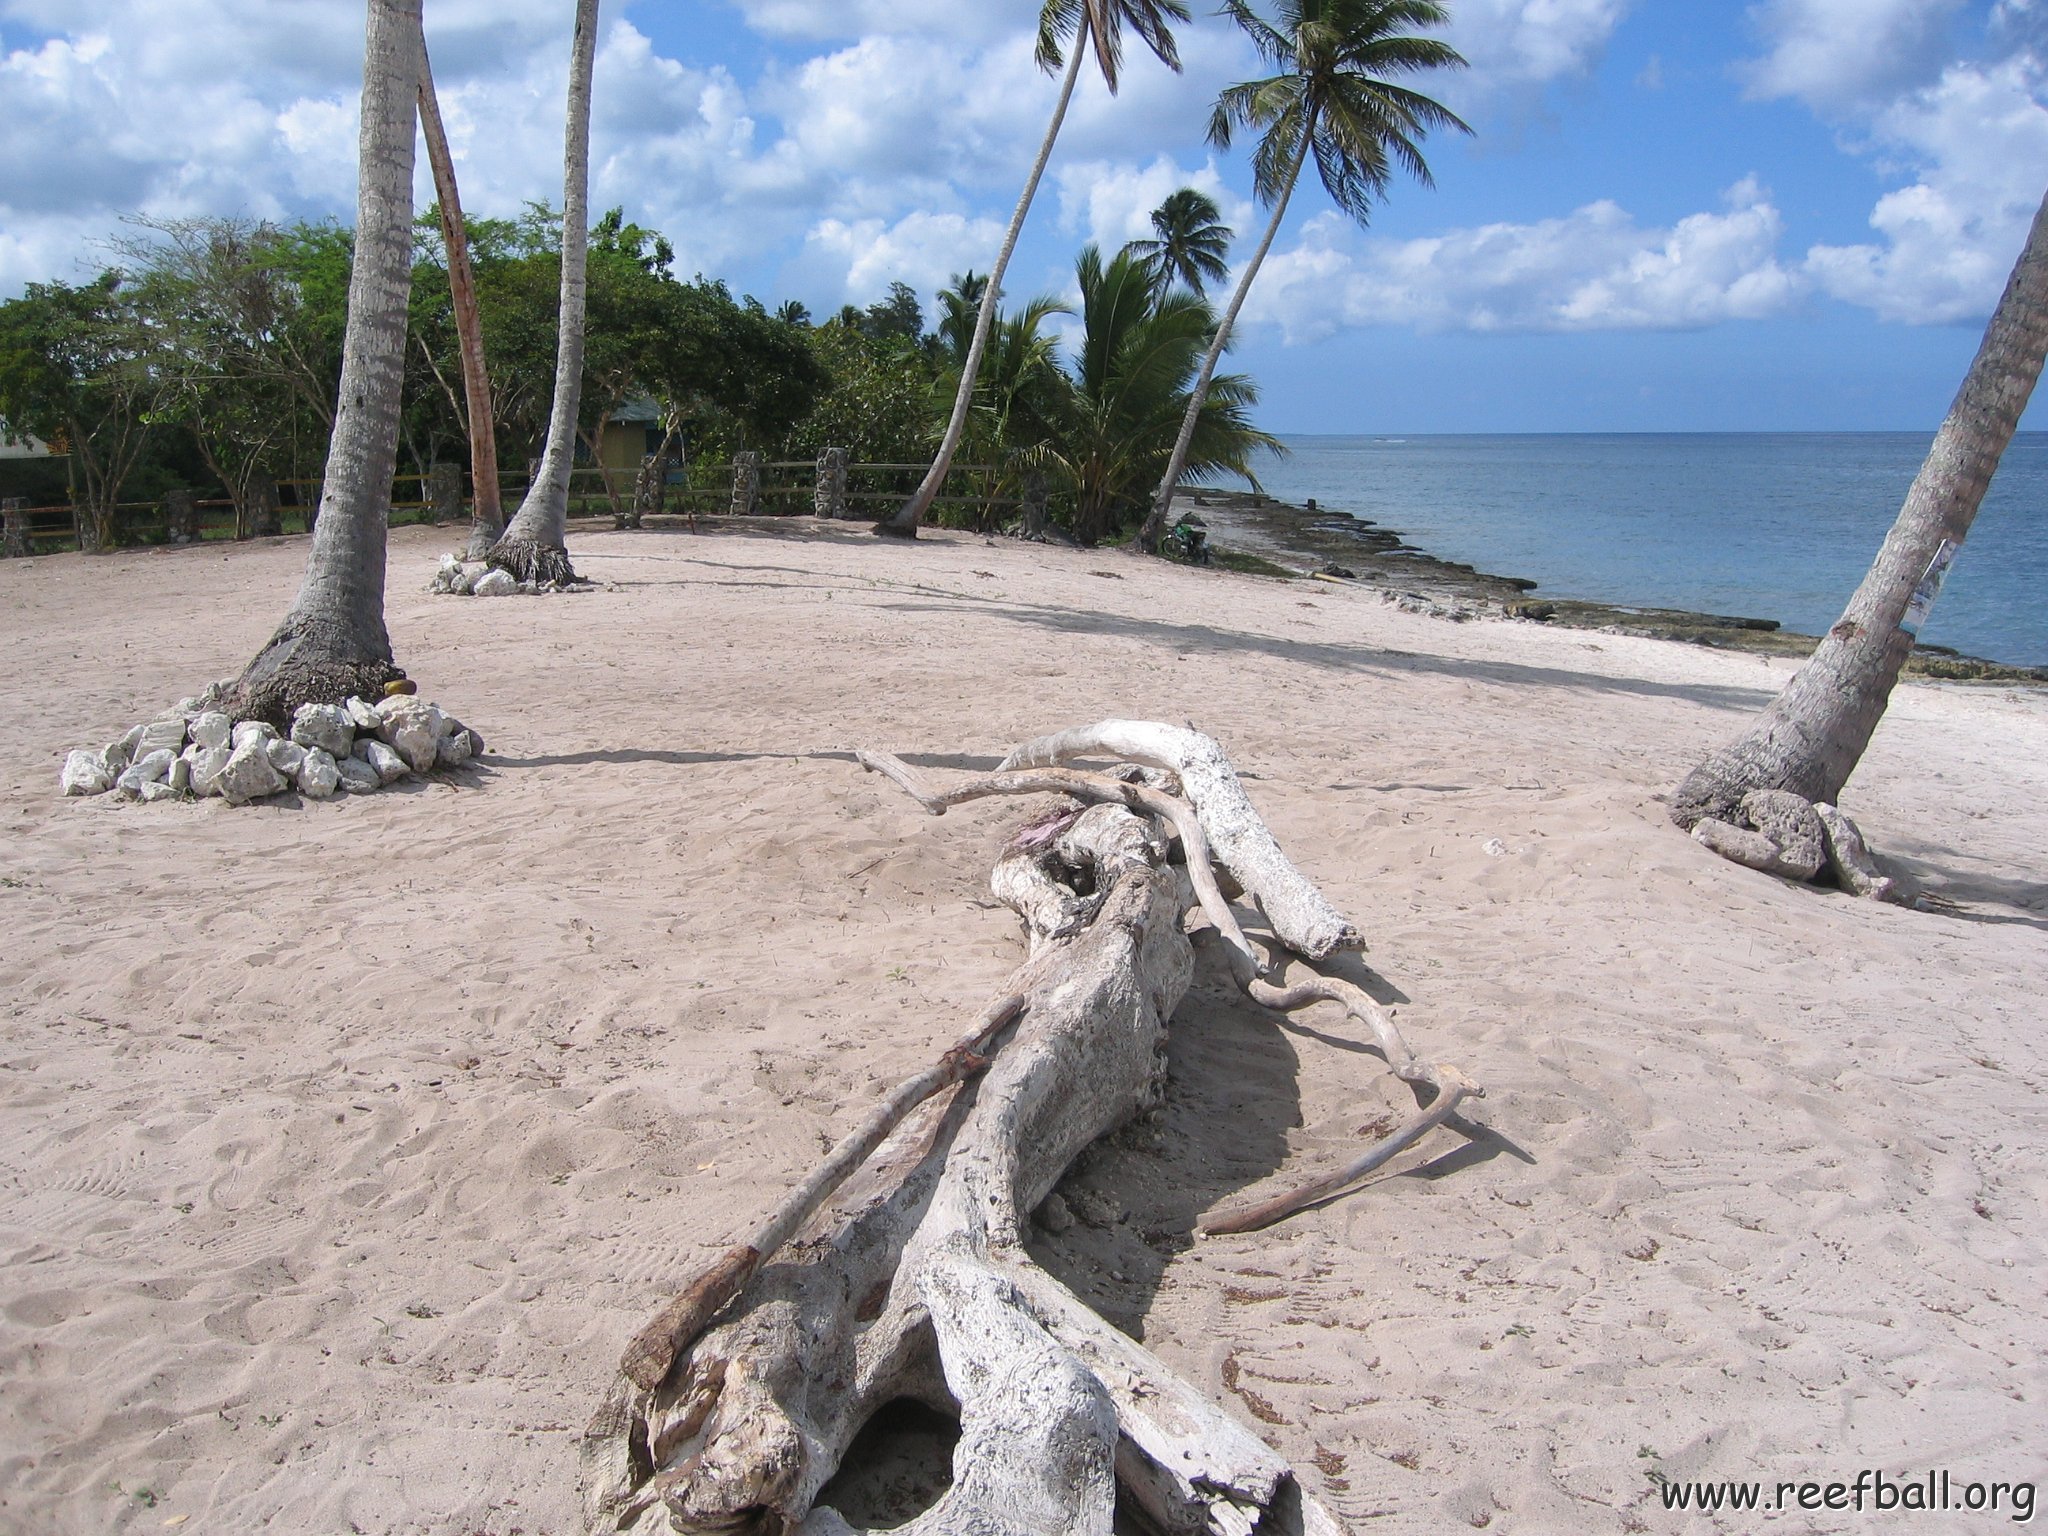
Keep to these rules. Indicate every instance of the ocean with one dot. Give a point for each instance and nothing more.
(1762, 525)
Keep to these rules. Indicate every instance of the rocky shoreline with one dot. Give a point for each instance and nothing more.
(1311, 541)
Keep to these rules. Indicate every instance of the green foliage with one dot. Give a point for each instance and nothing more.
(877, 403)
(1114, 428)
(898, 317)
(75, 371)
(1061, 20)
(246, 364)
(1340, 65)
(1192, 240)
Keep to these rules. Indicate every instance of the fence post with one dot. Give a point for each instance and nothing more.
(181, 516)
(746, 483)
(1034, 505)
(444, 491)
(262, 513)
(14, 542)
(830, 497)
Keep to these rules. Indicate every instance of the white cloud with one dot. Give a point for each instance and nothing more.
(1840, 55)
(1111, 203)
(940, 20)
(1515, 44)
(1949, 238)
(1969, 139)
(924, 250)
(1594, 269)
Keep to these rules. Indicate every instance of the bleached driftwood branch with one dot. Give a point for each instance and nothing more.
(910, 1278)
(1441, 1089)
(1300, 915)
(652, 1353)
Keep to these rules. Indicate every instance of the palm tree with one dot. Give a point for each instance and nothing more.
(1192, 240)
(1810, 738)
(1337, 96)
(1102, 21)
(793, 312)
(1141, 345)
(332, 642)
(534, 544)
(960, 314)
(488, 515)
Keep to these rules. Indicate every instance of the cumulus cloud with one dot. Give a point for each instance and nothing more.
(1593, 269)
(828, 19)
(1840, 55)
(924, 250)
(1968, 137)
(1949, 238)
(1516, 44)
(1111, 203)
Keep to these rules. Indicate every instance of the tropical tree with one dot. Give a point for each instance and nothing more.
(959, 312)
(534, 545)
(1809, 739)
(793, 312)
(1103, 23)
(1141, 345)
(1192, 240)
(1338, 97)
(332, 642)
(487, 514)
(77, 368)
(214, 302)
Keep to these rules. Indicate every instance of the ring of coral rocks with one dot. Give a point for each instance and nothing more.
(196, 751)
(474, 578)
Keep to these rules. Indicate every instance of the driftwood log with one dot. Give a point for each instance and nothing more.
(905, 1273)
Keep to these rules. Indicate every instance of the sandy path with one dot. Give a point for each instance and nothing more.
(342, 1146)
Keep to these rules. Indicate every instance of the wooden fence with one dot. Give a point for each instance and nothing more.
(828, 487)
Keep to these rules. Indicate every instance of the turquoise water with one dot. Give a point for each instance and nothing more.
(1765, 525)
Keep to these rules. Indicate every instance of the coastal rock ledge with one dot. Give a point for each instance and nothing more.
(196, 751)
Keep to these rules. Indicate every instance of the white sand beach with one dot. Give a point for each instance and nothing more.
(344, 1145)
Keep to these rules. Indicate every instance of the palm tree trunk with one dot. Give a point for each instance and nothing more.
(532, 548)
(1154, 529)
(332, 642)
(904, 522)
(488, 513)
(1810, 738)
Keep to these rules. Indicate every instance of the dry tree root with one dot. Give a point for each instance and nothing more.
(898, 1269)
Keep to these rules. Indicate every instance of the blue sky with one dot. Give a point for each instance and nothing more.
(1793, 214)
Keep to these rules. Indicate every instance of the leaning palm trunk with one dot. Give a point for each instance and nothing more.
(488, 514)
(534, 544)
(1809, 738)
(332, 642)
(904, 522)
(1154, 528)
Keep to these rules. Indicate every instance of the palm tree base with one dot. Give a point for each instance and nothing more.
(529, 560)
(482, 536)
(888, 528)
(308, 662)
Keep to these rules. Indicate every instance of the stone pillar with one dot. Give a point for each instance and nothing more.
(265, 519)
(830, 498)
(1035, 526)
(746, 484)
(14, 516)
(181, 516)
(444, 492)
